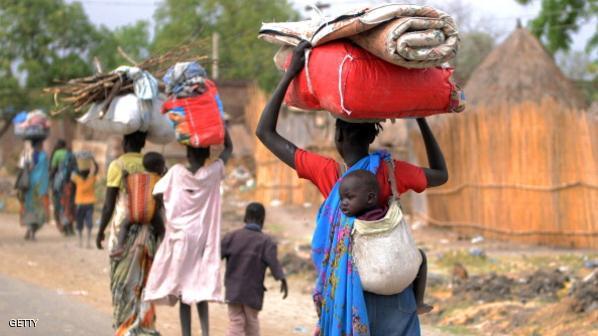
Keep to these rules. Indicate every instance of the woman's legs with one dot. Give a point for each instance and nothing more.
(67, 209)
(56, 207)
(128, 276)
(80, 218)
(31, 230)
(204, 318)
(89, 224)
(185, 317)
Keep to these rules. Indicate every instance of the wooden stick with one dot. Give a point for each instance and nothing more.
(126, 56)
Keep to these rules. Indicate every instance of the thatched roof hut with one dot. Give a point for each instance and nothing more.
(523, 159)
(520, 70)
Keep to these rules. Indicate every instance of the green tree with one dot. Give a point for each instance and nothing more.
(474, 48)
(558, 20)
(478, 38)
(133, 39)
(43, 42)
(242, 55)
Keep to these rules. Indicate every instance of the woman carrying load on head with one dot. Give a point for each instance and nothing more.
(344, 308)
(128, 274)
(187, 264)
(62, 166)
(34, 196)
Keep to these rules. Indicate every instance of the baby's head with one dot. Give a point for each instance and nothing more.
(154, 163)
(359, 193)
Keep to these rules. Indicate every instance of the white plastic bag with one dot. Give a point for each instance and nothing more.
(127, 114)
(160, 130)
(385, 253)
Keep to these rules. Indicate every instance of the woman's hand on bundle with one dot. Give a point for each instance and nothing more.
(298, 59)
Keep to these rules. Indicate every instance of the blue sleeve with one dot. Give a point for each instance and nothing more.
(220, 106)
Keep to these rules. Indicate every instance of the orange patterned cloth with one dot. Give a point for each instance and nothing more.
(142, 205)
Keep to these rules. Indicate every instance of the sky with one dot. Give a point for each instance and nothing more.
(500, 15)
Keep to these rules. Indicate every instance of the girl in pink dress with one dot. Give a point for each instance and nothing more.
(186, 267)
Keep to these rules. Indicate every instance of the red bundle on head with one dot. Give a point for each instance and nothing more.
(197, 120)
(352, 83)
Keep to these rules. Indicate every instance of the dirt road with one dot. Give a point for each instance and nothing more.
(58, 278)
(51, 312)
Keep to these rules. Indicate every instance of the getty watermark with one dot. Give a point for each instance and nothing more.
(23, 323)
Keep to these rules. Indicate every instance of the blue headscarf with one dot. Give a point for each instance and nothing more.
(338, 294)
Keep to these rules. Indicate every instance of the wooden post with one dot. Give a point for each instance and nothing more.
(215, 54)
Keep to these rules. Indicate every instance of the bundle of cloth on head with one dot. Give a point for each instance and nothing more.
(132, 112)
(84, 160)
(33, 125)
(194, 109)
(374, 63)
(185, 79)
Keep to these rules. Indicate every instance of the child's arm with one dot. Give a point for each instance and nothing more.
(158, 220)
(271, 260)
(437, 174)
(228, 147)
(266, 127)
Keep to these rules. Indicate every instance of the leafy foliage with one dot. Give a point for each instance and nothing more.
(559, 19)
(474, 48)
(43, 42)
(242, 55)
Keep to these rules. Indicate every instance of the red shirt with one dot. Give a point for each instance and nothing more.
(323, 172)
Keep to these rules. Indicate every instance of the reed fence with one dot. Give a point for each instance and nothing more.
(526, 173)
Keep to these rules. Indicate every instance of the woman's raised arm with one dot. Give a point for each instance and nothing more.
(266, 127)
(437, 174)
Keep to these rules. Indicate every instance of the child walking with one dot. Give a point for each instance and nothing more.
(248, 252)
(85, 179)
(186, 267)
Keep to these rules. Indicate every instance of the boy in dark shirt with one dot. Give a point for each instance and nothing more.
(248, 252)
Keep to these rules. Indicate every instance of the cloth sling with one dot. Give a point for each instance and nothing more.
(338, 293)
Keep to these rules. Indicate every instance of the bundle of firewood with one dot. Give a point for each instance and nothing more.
(76, 94)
